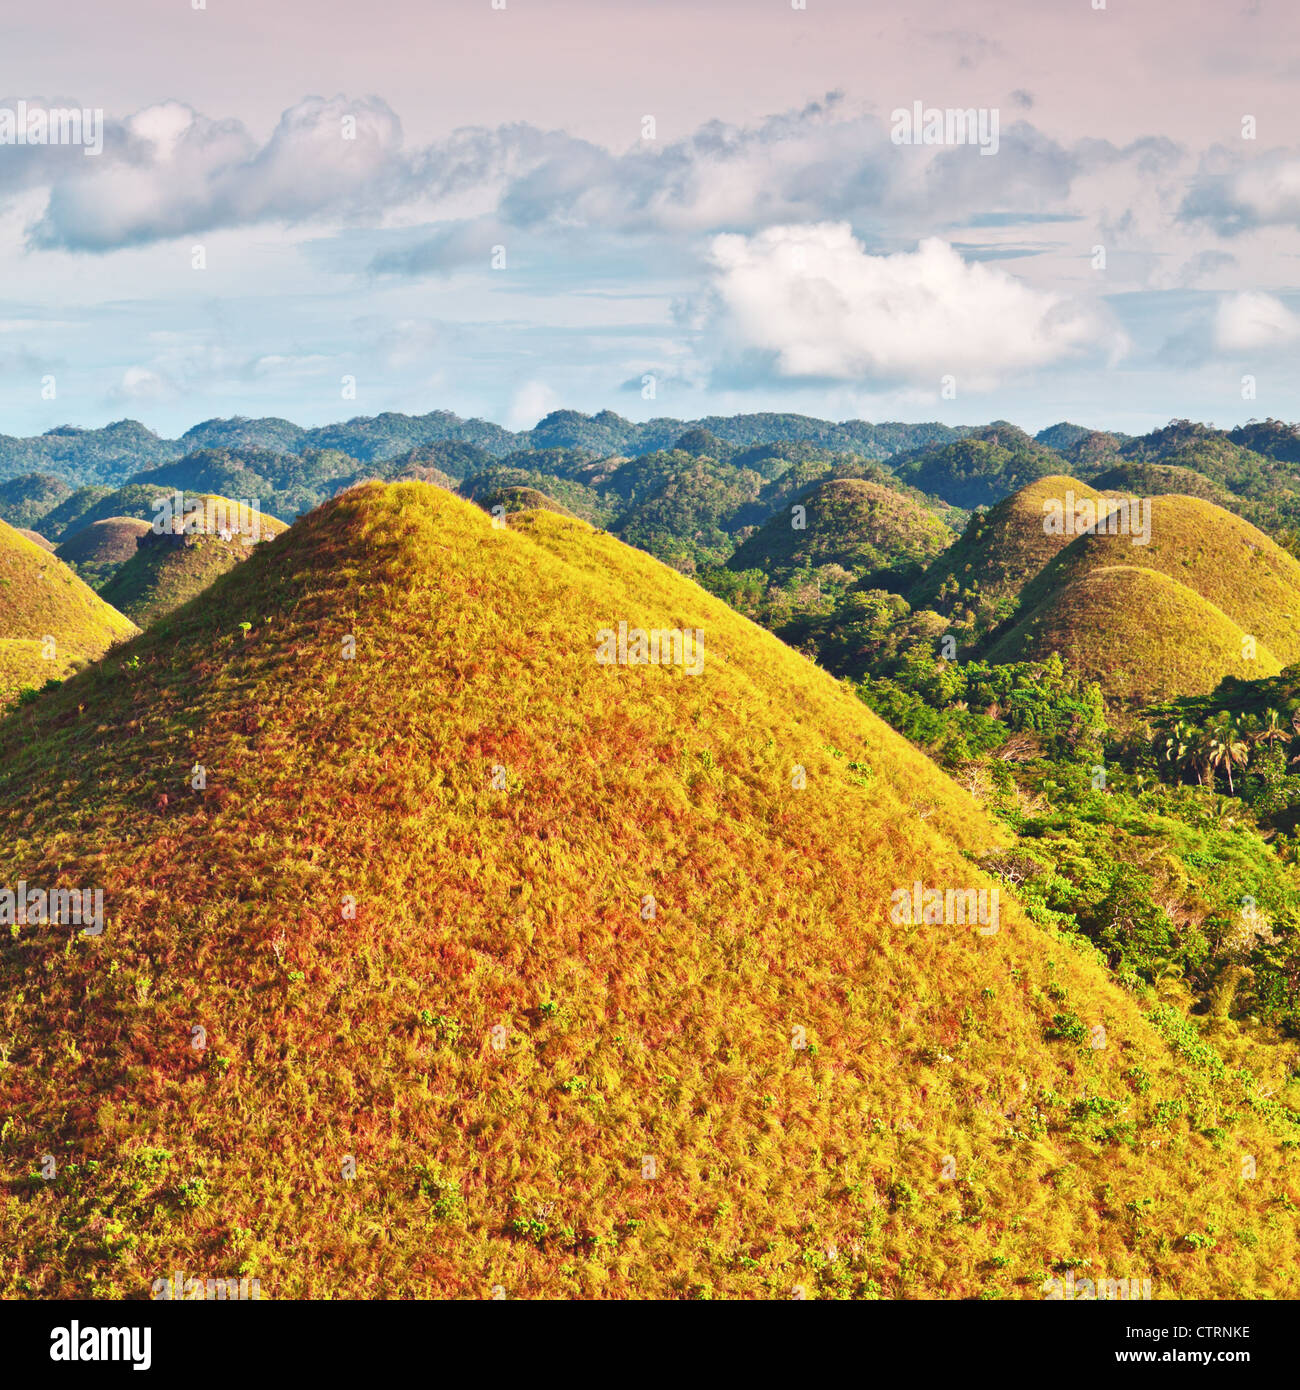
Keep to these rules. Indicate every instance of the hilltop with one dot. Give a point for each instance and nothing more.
(96, 551)
(980, 577)
(860, 526)
(515, 968)
(1137, 632)
(168, 569)
(49, 620)
(1210, 551)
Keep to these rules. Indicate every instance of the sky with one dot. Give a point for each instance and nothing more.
(320, 210)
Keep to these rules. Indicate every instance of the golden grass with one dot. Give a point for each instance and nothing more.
(1001, 551)
(40, 599)
(35, 537)
(1139, 633)
(1216, 554)
(500, 1038)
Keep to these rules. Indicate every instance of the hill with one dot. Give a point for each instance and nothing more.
(551, 975)
(979, 469)
(104, 542)
(49, 620)
(169, 569)
(861, 526)
(519, 499)
(35, 537)
(25, 500)
(979, 578)
(1217, 555)
(1140, 634)
(90, 504)
(81, 456)
(1164, 479)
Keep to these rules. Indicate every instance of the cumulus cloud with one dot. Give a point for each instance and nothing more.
(531, 402)
(169, 171)
(1250, 321)
(810, 302)
(1262, 193)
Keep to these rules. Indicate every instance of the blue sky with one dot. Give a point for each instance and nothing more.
(460, 207)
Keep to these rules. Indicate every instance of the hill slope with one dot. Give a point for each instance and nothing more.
(981, 575)
(1140, 634)
(536, 944)
(168, 570)
(858, 525)
(41, 598)
(1216, 554)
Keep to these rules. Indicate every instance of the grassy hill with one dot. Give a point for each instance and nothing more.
(91, 504)
(40, 598)
(96, 551)
(861, 526)
(168, 570)
(1217, 555)
(516, 969)
(35, 537)
(1140, 634)
(980, 577)
(519, 499)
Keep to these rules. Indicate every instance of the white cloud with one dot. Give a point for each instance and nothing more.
(141, 384)
(532, 401)
(812, 302)
(1248, 321)
(169, 171)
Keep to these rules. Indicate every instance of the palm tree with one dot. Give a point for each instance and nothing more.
(1227, 748)
(1271, 730)
(1174, 745)
(1200, 754)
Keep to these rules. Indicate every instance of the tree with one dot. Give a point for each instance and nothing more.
(1226, 748)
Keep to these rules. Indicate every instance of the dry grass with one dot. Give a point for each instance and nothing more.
(518, 907)
(40, 598)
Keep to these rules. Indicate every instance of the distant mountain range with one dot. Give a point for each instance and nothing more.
(112, 454)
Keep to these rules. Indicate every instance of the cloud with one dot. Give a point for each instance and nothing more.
(449, 247)
(1250, 321)
(530, 403)
(810, 302)
(1264, 193)
(169, 171)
